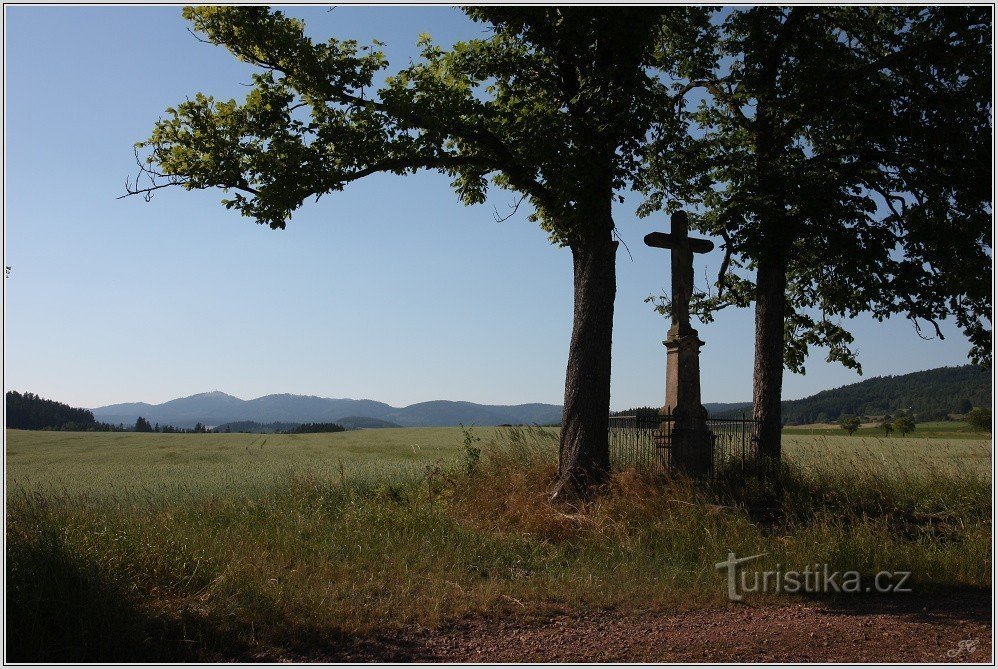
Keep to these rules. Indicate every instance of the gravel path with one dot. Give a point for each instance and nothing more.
(907, 629)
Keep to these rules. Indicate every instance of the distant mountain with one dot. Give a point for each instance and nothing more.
(929, 395)
(443, 412)
(218, 408)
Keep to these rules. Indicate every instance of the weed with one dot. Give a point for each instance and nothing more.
(472, 453)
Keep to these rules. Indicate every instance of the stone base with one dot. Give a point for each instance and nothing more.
(690, 450)
(686, 445)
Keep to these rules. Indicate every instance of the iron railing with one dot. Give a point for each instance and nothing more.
(642, 441)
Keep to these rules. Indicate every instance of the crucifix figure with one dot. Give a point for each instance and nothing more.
(685, 443)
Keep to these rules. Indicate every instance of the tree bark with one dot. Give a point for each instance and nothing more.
(767, 378)
(584, 453)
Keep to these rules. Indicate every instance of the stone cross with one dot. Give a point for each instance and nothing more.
(685, 443)
(683, 247)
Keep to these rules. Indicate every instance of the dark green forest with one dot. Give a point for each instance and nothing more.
(253, 427)
(312, 428)
(930, 395)
(28, 411)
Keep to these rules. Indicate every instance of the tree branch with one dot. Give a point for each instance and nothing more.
(723, 271)
(514, 208)
(713, 86)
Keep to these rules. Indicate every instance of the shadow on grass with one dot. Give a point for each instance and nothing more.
(63, 608)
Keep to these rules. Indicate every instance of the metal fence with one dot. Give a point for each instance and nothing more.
(642, 441)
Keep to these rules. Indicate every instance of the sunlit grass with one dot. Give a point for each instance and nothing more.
(901, 457)
(201, 465)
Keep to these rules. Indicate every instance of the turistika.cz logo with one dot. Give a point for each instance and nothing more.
(816, 578)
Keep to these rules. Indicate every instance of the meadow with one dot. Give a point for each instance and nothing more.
(143, 465)
(948, 429)
(214, 547)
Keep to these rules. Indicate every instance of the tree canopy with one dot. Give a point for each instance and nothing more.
(555, 105)
(856, 142)
(843, 154)
(27, 411)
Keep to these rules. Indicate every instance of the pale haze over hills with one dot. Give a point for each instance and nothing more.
(929, 392)
(217, 408)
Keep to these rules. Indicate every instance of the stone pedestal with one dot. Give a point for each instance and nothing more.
(686, 444)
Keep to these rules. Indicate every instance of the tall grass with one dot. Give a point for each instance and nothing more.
(328, 555)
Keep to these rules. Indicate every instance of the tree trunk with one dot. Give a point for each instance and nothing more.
(584, 453)
(767, 378)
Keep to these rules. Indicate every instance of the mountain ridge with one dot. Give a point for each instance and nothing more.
(219, 408)
(929, 394)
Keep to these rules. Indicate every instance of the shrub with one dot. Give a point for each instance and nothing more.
(979, 419)
(850, 423)
(904, 424)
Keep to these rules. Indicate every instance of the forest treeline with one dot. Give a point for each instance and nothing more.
(933, 394)
(27, 411)
(930, 395)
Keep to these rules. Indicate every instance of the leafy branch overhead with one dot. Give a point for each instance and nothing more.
(513, 109)
(852, 145)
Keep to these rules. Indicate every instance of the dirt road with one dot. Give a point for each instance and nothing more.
(955, 628)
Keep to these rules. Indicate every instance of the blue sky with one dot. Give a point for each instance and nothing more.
(390, 290)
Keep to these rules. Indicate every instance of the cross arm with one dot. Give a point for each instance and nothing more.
(663, 240)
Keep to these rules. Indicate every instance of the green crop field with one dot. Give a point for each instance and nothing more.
(948, 429)
(142, 464)
(899, 455)
(214, 464)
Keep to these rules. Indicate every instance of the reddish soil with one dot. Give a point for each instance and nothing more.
(907, 629)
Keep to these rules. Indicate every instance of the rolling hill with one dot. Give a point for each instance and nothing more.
(218, 408)
(928, 395)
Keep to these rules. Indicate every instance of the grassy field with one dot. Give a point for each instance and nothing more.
(215, 547)
(199, 465)
(932, 430)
